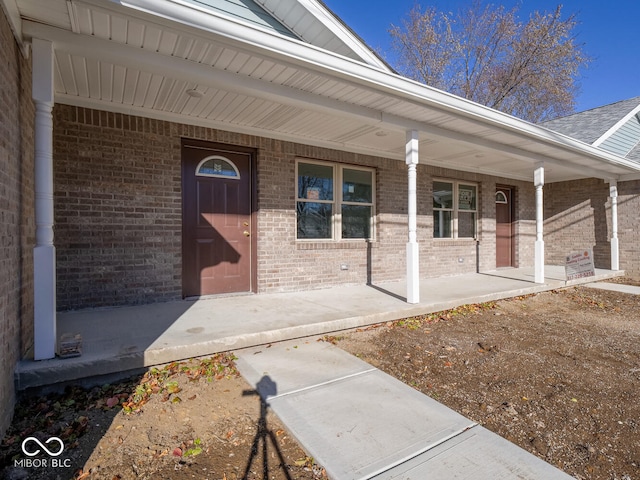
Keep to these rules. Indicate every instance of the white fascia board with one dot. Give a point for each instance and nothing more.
(629, 178)
(309, 57)
(338, 28)
(12, 13)
(96, 104)
(619, 124)
(301, 55)
(204, 75)
(192, 72)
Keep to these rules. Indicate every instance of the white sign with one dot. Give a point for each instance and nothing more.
(580, 265)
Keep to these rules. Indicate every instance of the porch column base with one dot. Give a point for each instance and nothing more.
(44, 325)
(539, 262)
(615, 255)
(413, 273)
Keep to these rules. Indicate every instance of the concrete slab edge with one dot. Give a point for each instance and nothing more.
(168, 354)
(29, 374)
(600, 276)
(615, 287)
(321, 384)
(417, 453)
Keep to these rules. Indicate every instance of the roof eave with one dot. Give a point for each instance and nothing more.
(12, 13)
(307, 56)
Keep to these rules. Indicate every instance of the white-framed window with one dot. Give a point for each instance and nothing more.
(455, 209)
(334, 201)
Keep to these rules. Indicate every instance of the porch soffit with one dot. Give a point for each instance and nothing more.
(134, 63)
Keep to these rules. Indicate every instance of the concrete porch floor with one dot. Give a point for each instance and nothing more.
(124, 340)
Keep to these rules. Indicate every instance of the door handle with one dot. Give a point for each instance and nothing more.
(246, 233)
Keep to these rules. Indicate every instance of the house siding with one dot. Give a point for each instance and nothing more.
(578, 216)
(118, 214)
(17, 231)
(625, 138)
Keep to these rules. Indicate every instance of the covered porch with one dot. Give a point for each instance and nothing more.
(120, 341)
(214, 75)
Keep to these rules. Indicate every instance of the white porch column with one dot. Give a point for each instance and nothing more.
(413, 267)
(44, 254)
(615, 249)
(538, 180)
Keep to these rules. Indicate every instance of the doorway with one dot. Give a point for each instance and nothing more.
(218, 241)
(505, 252)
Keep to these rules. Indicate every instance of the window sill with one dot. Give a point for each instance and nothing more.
(454, 242)
(335, 245)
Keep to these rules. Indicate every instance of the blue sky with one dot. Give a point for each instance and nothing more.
(609, 31)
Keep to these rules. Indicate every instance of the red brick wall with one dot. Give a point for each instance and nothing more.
(578, 215)
(629, 226)
(118, 221)
(17, 230)
(117, 209)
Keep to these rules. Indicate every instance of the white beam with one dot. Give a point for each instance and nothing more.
(205, 75)
(488, 145)
(615, 248)
(538, 179)
(44, 253)
(413, 256)
(193, 72)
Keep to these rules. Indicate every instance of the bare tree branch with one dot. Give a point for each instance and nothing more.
(486, 54)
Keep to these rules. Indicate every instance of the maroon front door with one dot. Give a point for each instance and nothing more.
(216, 216)
(504, 227)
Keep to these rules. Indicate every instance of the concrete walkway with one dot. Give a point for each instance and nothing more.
(360, 423)
(615, 287)
(124, 340)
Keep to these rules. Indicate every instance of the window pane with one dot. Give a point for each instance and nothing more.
(442, 195)
(217, 166)
(466, 225)
(315, 182)
(442, 224)
(357, 186)
(466, 197)
(356, 221)
(314, 220)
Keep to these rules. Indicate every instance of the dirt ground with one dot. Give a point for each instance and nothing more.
(195, 419)
(556, 373)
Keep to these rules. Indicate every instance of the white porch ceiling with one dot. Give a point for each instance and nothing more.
(124, 59)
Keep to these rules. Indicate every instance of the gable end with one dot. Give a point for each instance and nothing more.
(623, 140)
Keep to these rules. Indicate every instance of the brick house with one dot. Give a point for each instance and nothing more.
(183, 148)
(582, 208)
